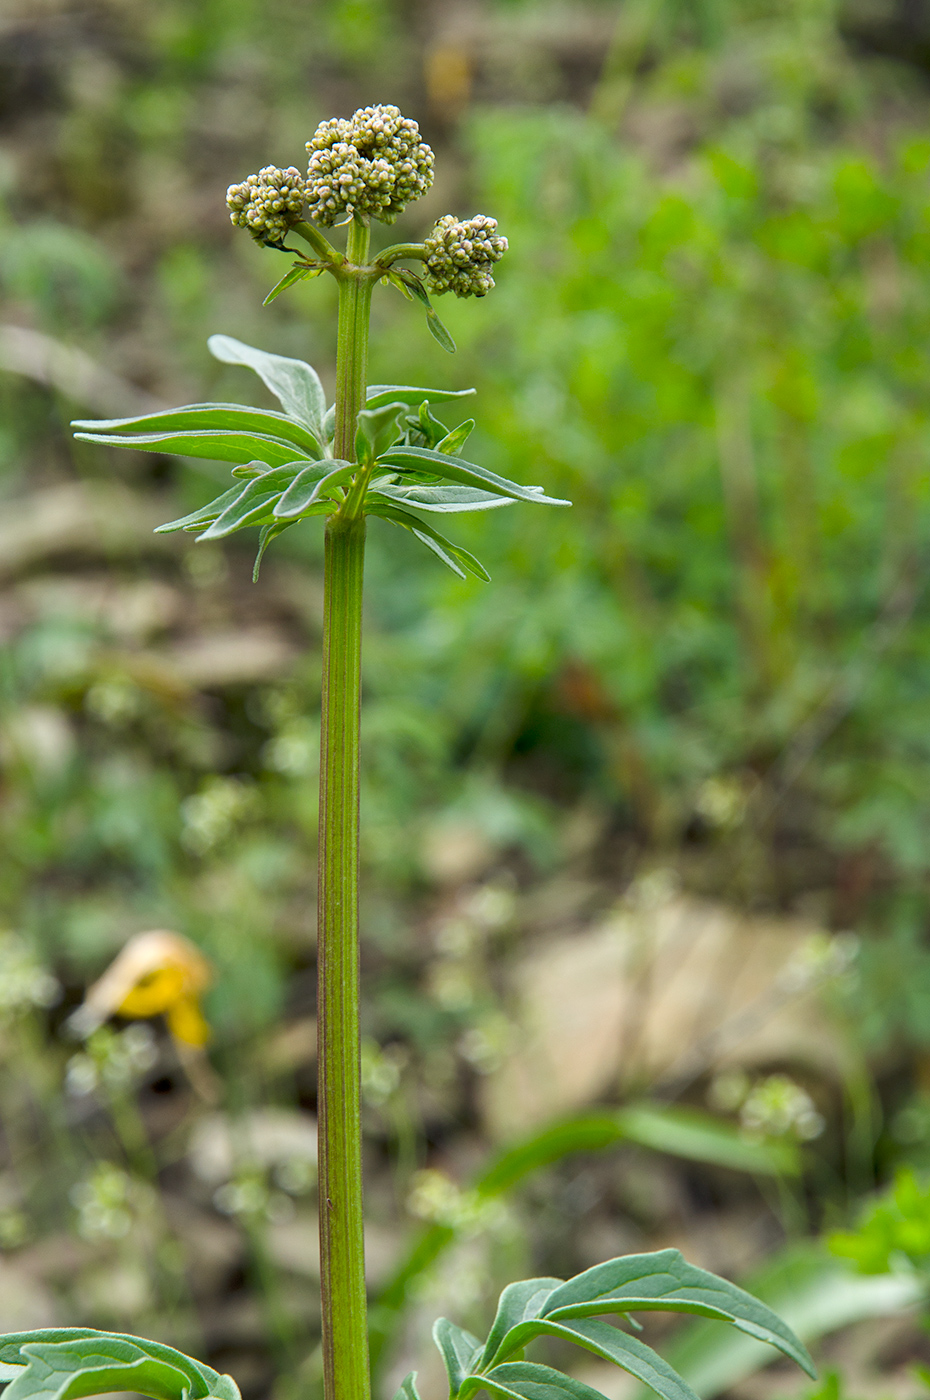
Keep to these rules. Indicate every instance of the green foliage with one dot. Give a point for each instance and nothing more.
(894, 1229)
(391, 465)
(64, 1363)
(547, 1307)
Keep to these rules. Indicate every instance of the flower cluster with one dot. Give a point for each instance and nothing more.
(460, 254)
(372, 163)
(268, 204)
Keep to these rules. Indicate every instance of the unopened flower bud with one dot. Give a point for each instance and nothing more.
(372, 163)
(268, 204)
(461, 253)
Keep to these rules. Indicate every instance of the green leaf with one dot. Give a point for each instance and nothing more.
(269, 533)
(451, 554)
(457, 438)
(298, 273)
(376, 430)
(699, 1137)
(293, 382)
(522, 1380)
(448, 500)
(218, 446)
(380, 394)
(517, 1303)
(467, 473)
(438, 331)
(814, 1293)
(60, 1363)
(459, 1350)
(408, 1388)
(307, 485)
(664, 1281)
(200, 417)
(253, 503)
(605, 1341)
(205, 515)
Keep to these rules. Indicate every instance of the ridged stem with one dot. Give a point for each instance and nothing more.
(342, 1257)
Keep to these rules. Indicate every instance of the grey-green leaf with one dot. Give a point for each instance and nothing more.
(408, 1388)
(205, 515)
(459, 1350)
(518, 1302)
(217, 446)
(59, 1363)
(452, 555)
(523, 1380)
(380, 394)
(298, 273)
(376, 430)
(206, 417)
(253, 503)
(447, 500)
(467, 473)
(664, 1281)
(456, 438)
(307, 485)
(608, 1342)
(269, 533)
(439, 332)
(293, 382)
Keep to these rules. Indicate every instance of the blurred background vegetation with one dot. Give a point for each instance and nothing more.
(646, 864)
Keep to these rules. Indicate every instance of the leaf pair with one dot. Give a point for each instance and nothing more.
(662, 1281)
(63, 1363)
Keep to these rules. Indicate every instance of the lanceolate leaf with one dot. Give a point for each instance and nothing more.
(467, 473)
(517, 1303)
(341, 474)
(665, 1281)
(293, 382)
(205, 515)
(438, 331)
(218, 446)
(269, 533)
(254, 502)
(611, 1344)
(457, 438)
(458, 1348)
(206, 417)
(447, 500)
(451, 554)
(60, 1363)
(380, 394)
(521, 1380)
(306, 486)
(298, 273)
(408, 1388)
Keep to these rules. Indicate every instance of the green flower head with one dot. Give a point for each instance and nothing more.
(460, 254)
(372, 163)
(267, 204)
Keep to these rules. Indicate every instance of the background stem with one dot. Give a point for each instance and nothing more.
(342, 1258)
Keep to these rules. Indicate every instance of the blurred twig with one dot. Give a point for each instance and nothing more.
(71, 372)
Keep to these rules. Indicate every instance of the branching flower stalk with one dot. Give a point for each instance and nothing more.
(376, 451)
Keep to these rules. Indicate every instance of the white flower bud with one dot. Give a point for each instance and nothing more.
(268, 204)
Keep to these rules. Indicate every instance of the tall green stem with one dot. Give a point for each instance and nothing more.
(342, 1258)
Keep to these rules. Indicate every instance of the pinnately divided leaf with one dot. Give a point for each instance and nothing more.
(65, 1363)
(665, 1281)
(518, 1303)
(459, 1351)
(293, 382)
(609, 1343)
(466, 473)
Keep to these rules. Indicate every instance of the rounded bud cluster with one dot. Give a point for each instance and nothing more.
(460, 253)
(372, 163)
(269, 203)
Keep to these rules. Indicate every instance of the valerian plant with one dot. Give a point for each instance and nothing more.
(378, 450)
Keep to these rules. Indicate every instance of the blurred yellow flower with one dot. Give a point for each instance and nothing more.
(157, 973)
